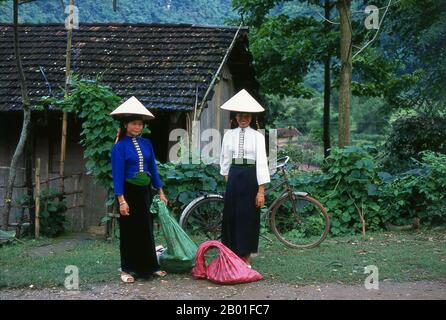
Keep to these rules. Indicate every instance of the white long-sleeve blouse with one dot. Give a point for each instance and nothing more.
(253, 149)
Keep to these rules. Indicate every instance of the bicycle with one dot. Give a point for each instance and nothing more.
(297, 220)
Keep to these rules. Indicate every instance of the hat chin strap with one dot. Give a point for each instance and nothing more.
(118, 133)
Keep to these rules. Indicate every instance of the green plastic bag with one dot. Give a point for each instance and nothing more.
(180, 253)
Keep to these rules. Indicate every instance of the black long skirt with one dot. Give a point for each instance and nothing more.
(137, 243)
(241, 217)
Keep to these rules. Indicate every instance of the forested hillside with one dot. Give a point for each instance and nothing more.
(207, 12)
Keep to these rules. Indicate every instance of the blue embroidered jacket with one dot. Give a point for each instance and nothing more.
(130, 156)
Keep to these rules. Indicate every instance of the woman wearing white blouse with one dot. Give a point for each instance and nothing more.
(244, 164)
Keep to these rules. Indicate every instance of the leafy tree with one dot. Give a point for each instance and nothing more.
(419, 28)
(26, 116)
(283, 51)
(309, 41)
(258, 10)
(378, 76)
(295, 112)
(286, 45)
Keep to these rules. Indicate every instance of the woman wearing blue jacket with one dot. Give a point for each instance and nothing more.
(134, 171)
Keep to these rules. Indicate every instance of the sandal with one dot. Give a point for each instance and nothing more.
(126, 278)
(160, 273)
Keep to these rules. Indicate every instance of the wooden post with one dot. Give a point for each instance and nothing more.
(82, 199)
(37, 204)
(63, 152)
(75, 200)
(67, 82)
(47, 169)
(217, 104)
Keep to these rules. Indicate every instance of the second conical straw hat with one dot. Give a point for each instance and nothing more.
(242, 102)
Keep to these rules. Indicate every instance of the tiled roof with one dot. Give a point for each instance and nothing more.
(160, 64)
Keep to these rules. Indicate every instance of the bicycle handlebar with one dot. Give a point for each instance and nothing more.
(285, 161)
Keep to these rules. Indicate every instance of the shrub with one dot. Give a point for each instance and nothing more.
(347, 187)
(411, 134)
(418, 192)
(350, 186)
(352, 175)
(184, 182)
(53, 221)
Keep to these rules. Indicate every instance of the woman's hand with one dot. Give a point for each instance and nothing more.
(163, 197)
(124, 209)
(260, 200)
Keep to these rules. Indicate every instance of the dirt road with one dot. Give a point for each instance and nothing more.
(187, 289)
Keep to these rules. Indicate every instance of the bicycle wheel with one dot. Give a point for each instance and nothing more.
(202, 220)
(299, 221)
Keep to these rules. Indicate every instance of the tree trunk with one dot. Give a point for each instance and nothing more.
(345, 78)
(26, 119)
(327, 97)
(327, 83)
(29, 152)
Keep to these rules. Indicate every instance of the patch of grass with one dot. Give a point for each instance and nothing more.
(399, 257)
(96, 260)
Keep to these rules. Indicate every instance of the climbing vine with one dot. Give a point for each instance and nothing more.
(92, 102)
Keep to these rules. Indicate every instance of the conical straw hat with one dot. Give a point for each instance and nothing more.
(132, 107)
(242, 102)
